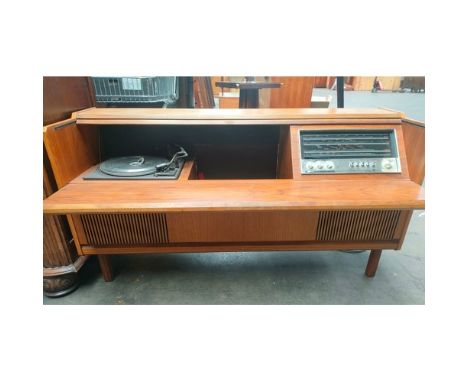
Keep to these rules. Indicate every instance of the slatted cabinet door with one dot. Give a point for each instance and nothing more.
(122, 229)
(360, 225)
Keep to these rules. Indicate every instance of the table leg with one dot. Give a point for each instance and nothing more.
(106, 267)
(373, 262)
(248, 99)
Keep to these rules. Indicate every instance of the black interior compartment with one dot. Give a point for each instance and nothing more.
(221, 152)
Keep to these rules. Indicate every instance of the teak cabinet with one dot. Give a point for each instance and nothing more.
(240, 190)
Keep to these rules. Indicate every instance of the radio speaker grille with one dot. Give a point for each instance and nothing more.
(357, 225)
(125, 229)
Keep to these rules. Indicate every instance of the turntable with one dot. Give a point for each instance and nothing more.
(140, 167)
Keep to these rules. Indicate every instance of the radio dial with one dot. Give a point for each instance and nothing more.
(320, 166)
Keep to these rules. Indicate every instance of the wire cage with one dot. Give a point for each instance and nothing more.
(136, 90)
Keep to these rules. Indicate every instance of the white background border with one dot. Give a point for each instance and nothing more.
(234, 343)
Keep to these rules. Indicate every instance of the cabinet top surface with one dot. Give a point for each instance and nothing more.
(231, 114)
(193, 195)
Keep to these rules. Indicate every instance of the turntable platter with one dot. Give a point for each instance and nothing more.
(129, 166)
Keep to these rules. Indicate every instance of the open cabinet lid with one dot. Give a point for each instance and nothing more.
(116, 116)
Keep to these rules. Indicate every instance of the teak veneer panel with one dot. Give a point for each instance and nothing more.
(71, 149)
(414, 133)
(226, 195)
(115, 116)
(236, 122)
(241, 226)
(284, 169)
(236, 247)
(193, 114)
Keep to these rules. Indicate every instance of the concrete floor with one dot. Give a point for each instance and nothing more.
(412, 104)
(269, 277)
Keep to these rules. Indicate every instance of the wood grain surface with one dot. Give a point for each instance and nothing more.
(236, 247)
(237, 122)
(230, 115)
(296, 92)
(71, 149)
(63, 96)
(238, 226)
(228, 195)
(415, 142)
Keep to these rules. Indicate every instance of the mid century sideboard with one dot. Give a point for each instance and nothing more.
(255, 180)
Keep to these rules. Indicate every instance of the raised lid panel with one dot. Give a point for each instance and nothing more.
(71, 149)
(232, 114)
(414, 133)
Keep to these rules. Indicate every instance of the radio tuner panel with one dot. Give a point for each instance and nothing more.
(349, 151)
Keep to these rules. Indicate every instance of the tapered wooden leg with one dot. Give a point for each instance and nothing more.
(106, 267)
(373, 262)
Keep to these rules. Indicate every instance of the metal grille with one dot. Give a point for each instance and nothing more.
(357, 225)
(118, 90)
(125, 229)
(339, 144)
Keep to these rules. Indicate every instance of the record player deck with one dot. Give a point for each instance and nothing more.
(140, 167)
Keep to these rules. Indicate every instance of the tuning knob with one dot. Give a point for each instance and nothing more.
(387, 165)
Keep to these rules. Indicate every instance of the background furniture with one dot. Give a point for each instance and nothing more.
(248, 90)
(203, 93)
(296, 92)
(61, 97)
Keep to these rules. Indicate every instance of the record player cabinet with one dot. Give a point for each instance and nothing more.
(242, 189)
